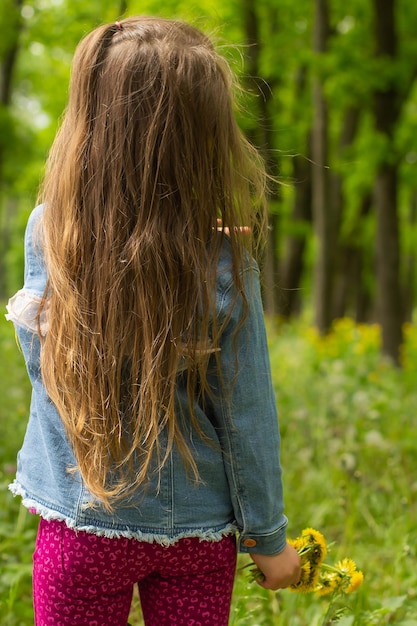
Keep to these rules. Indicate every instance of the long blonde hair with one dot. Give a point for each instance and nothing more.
(147, 160)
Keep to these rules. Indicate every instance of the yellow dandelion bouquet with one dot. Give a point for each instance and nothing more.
(316, 575)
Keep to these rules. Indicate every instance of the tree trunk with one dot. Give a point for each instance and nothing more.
(410, 264)
(322, 216)
(348, 252)
(7, 65)
(364, 299)
(263, 137)
(351, 294)
(390, 311)
(293, 267)
(269, 270)
(386, 112)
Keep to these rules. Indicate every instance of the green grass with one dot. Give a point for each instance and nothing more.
(17, 526)
(349, 449)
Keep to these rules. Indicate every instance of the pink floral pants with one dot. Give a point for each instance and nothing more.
(80, 579)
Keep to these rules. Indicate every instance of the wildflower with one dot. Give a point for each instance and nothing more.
(350, 578)
(311, 547)
(317, 576)
(347, 567)
(317, 544)
(327, 583)
(308, 578)
(355, 582)
(342, 577)
(299, 544)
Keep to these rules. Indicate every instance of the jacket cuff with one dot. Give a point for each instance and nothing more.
(271, 543)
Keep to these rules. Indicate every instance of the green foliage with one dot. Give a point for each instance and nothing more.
(286, 66)
(348, 452)
(17, 526)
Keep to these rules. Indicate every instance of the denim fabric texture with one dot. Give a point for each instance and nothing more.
(240, 486)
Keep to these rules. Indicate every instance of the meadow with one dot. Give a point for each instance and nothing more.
(349, 453)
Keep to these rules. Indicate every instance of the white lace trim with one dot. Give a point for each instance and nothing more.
(22, 309)
(204, 534)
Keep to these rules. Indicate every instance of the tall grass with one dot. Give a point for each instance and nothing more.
(17, 526)
(349, 450)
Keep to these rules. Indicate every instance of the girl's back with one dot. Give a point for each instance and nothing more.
(140, 318)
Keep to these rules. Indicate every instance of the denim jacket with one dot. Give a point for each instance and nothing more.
(239, 487)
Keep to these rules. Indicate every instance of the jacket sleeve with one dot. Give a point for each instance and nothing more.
(22, 308)
(247, 422)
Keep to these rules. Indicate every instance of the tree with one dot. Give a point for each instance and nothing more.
(263, 137)
(388, 100)
(10, 19)
(386, 111)
(334, 121)
(322, 209)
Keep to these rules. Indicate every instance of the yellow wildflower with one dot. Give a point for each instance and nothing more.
(299, 543)
(344, 575)
(347, 567)
(311, 547)
(316, 575)
(327, 583)
(308, 578)
(355, 582)
(317, 543)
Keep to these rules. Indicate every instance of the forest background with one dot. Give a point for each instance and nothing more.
(330, 98)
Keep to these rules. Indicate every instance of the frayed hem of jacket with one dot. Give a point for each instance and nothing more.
(49, 515)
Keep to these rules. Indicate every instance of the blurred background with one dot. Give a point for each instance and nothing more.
(330, 100)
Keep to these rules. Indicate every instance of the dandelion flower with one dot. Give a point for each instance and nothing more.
(316, 575)
(355, 582)
(307, 580)
(299, 543)
(344, 575)
(318, 544)
(327, 583)
(347, 567)
(311, 547)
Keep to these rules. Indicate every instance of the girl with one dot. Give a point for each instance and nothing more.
(153, 435)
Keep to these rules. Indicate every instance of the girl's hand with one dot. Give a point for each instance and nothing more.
(279, 570)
